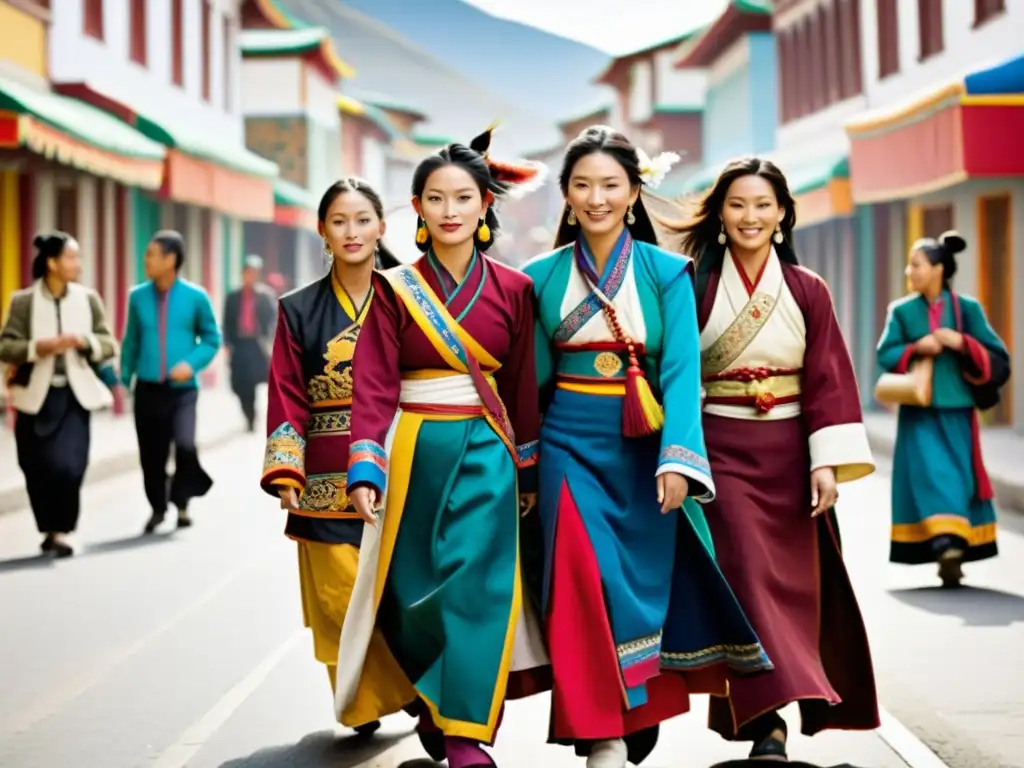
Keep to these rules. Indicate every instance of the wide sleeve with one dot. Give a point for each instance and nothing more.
(682, 438)
(895, 348)
(831, 399)
(376, 388)
(131, 343)
(207, 333)
(517, 387)
(284, 460)
(101, 341)
(984, 358)
(16, 347)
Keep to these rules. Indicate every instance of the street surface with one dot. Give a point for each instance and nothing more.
(186, 649)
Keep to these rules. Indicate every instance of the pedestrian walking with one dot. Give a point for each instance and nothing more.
(171, 336)
(250, 315)
(56, 338)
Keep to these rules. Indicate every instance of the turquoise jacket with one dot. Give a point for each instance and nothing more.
(908, 322)
(191, 333)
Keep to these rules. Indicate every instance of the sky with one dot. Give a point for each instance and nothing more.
(613, 26)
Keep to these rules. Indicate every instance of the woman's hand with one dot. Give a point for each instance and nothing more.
(51, 346)
(527, 501)
(289, 497)
(672, 490)
(364, 501)
(824, 494)
(928, 345)
(950, 339)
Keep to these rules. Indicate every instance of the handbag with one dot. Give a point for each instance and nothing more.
(911, 388)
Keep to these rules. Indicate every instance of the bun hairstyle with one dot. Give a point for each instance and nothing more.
(48, 246)
(497, 177)
(942, 250)
(385, 259)
(601, 138)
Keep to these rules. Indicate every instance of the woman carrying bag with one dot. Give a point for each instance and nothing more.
(56, 337)
(943, 363)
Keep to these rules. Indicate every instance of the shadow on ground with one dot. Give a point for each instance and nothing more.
(977, 606)
(324, 749)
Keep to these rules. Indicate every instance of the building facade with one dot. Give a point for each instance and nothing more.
(944, 82)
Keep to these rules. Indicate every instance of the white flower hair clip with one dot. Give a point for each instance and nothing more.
(653, 172)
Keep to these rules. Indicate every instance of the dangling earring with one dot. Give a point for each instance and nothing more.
(721, 236)
(484, 232)
(421, 231)
(328, 253)
(571, 218)
(778, 237)
(630, 218)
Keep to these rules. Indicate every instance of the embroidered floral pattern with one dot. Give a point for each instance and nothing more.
(286, 450)
(743, 658)
(325, 423)
(325, 493)
(335, 383)
(738, 336)
(683, 455)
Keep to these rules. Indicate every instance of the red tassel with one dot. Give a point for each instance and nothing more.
(641, 413)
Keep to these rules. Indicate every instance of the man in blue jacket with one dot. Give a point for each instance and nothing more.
(171, 336)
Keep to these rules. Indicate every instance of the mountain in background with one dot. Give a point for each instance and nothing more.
(544, 72)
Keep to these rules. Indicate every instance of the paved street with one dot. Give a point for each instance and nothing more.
(185, 649)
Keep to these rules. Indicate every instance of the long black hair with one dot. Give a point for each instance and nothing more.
(942, 250)
(601, 138)
(385, 258)
(499, 178)
(48, 246)
(700, 233)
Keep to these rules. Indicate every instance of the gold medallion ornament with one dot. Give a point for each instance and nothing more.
(608, 364)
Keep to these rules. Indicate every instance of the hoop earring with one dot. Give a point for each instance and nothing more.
(571, 218)
(630, 218)
(421, 231)
(328, 253)
(778, 237)
(721, 236)
(484, 232)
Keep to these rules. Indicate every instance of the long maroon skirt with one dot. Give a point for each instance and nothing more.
(787, 571)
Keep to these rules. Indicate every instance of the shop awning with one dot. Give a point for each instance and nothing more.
(202, 168)
(821, 190)
(294, 206)
(76, 134)
(970, 128)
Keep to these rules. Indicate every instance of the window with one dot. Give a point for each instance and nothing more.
(92, 18)
(137, 31)
(929, 27)
(937, 219)
(205, 33)
(987, 9)
(227, 50)
(177, 43)
(784, 51)
(850, 33)
(888, 39)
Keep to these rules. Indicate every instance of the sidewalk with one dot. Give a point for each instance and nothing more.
(113, 448)
(1001, 447)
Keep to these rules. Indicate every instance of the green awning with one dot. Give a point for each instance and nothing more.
(811, 177)
(288, 195)
(79, 120)
(190, 139)
(281, 42)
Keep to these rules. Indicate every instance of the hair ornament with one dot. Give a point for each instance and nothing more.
(520, 178)
(653, 172)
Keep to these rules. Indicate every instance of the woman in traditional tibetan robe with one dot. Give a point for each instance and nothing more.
(309, 416)
(444, 418)
(637, 612)
(782, 420)
(941, 495)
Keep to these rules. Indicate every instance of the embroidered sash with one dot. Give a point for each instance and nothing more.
(740, 333)
(453, 343)
(601, 291)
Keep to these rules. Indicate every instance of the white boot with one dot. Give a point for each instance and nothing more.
(610, 753)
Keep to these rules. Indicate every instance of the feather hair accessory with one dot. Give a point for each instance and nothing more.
(653, 172)
(519, 179)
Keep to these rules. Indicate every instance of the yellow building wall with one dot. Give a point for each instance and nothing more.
(22, 39)
(10, 238)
